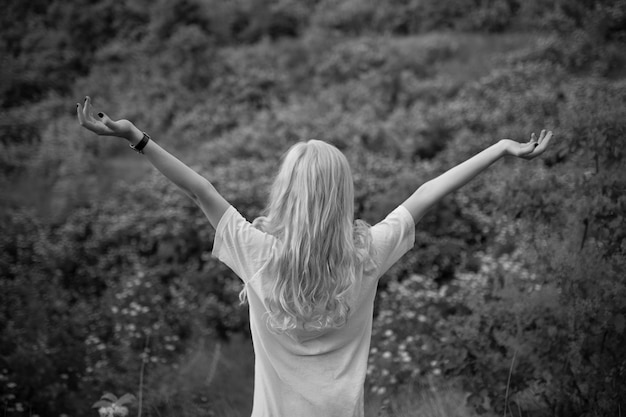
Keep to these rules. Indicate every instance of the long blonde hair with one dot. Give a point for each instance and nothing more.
(311, 213)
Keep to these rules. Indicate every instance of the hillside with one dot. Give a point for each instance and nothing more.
(510, 302)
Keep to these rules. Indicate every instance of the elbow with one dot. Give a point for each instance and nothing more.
(427, 196)
(425, 192)
(194, 197)
(199, 188)
(421, 201)
(203, 191)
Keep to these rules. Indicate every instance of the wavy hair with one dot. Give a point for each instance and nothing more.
(311, 213)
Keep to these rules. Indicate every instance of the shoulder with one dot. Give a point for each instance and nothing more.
(240, 245)
(392, 238)
(399, 220)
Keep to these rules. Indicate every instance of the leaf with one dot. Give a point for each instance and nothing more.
(102, 403)
(619, 322)
(531, 398)
(108, 396)
(552, 331)
(126, 399)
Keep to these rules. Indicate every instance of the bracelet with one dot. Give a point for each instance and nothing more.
(142, 143)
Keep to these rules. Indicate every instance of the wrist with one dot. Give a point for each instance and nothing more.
(134, 136)
(503, 148)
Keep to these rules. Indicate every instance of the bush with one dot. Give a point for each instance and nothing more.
(104, 264)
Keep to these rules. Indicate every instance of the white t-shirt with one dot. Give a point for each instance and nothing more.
(310, 373)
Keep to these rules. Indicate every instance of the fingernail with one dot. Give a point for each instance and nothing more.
(101, 115)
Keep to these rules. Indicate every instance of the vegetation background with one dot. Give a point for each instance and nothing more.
(513, 300)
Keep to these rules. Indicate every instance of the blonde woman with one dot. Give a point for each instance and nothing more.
(309, 270)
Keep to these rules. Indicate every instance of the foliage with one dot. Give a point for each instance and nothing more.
(109, 405)
(105, 267)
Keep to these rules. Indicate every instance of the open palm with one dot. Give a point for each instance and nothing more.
(103, 125)
(531, 149)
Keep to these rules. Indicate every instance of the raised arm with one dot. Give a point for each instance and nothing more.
(434, 190)
(193, 184)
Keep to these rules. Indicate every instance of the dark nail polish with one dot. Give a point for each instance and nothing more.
(100, 115)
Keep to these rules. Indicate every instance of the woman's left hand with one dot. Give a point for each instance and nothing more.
(104, 126)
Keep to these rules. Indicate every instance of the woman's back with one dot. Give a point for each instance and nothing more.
(310, 372)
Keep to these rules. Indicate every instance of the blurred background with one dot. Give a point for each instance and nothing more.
(511, 303)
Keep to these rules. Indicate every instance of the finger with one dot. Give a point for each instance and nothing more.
(533, 138)
(79, 112)
(90, 123)
(544, 143)
(106, 120)
(542, 137)
(85, 109)
(86, 123)
(88, 108)
(82, 119)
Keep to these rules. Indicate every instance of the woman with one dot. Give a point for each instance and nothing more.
(309, 271)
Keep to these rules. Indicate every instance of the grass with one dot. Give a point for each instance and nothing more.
(434, 402)
(211, 378)
(216, 379)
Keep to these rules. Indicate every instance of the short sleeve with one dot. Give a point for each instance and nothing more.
(241, 246)
(392, 238)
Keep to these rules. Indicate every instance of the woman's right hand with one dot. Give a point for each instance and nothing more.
(104, 126)
(528, 150)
